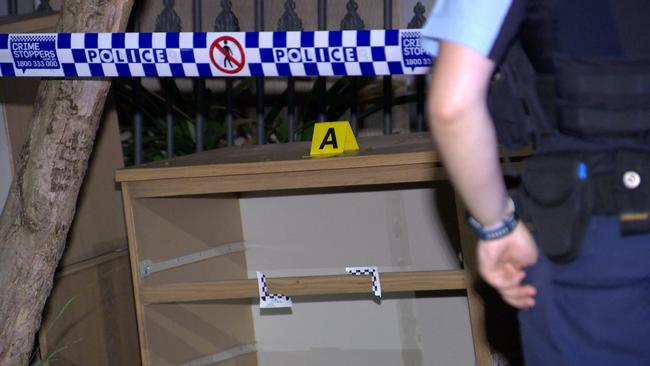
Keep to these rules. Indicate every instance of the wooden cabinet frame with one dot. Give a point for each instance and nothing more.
(396, 159)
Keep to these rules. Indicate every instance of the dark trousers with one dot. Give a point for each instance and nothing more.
(594, 311)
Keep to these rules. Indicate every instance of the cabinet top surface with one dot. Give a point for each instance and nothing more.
(414, 148)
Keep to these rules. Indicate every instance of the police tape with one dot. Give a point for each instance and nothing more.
(201, 54)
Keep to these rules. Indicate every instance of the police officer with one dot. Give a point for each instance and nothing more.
(583, 282)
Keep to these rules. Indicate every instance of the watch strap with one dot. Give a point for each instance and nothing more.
(498, 230)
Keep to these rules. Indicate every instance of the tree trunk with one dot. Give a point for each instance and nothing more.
(41, 203)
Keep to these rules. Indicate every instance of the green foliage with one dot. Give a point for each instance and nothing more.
(338, 99)
(50, 355)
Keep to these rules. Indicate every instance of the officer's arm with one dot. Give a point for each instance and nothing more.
(463, 130)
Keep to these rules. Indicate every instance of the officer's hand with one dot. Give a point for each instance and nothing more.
(501, 263)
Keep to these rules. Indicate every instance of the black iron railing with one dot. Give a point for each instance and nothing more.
(203, 99)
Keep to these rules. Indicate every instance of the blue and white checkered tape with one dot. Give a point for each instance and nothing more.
(318, 53)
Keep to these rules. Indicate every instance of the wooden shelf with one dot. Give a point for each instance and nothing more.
(283, 158)
(380, 160)
(375, 151)
(195, 199)
(301, 286)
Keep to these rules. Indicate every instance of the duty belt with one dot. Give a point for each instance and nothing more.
(560, 192)
(625, 191)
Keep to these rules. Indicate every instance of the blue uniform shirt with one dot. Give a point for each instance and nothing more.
(486, 26)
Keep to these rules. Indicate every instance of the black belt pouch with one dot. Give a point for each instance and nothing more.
(555, 196)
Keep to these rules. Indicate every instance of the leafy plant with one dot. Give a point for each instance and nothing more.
(338, 99)
(50, 355)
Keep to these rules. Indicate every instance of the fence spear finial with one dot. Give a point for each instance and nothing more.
(168, 20)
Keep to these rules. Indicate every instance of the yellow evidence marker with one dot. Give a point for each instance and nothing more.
(332, 138)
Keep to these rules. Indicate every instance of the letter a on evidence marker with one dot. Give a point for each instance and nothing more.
(332, 138)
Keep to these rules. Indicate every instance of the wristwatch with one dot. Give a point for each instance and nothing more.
(498, 230)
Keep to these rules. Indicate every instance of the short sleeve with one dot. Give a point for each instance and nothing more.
(486, 26)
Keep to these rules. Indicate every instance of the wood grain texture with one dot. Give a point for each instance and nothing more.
(300, 286)
(290, 180)
(134, 259)
(374, 151)
(82, 330)
(96, 327)
(42, 199)
(161, 229)
(382, 160)
(474, 300)
(99, 197)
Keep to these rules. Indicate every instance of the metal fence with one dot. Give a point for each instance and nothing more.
(133, 119)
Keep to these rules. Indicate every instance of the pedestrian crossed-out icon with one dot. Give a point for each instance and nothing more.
(227, 55)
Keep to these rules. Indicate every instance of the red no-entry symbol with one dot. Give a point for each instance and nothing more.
(227, 55)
